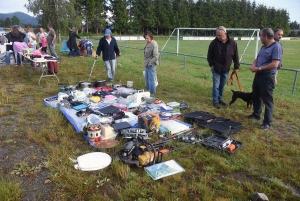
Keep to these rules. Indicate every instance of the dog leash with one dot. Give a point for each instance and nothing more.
(230, 81)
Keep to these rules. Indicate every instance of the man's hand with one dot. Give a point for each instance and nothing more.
(119, 54)
(254, 69)
(235, 70)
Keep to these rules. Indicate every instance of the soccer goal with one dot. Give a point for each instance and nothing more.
(195, 41)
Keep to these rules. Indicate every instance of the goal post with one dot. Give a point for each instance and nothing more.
(192, 31)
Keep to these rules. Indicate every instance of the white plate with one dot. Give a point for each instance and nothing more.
(93, 161)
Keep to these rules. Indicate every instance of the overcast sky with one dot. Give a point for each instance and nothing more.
(292, 6)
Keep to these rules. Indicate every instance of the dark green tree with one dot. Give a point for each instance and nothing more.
(61, 14)
(144, 15)
(181, 13)
(99, 23)
(2, 23)
(120, 16)
(15, 20)
(7, 22)
(164, 16)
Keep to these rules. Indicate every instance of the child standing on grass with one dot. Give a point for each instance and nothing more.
(44, 44)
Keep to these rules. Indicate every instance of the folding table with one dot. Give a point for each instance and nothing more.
(40, 63)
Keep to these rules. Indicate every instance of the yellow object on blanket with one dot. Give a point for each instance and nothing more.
(95, 99)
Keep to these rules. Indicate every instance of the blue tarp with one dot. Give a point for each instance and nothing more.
(64, 47)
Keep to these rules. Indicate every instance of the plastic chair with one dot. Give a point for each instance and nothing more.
(64, 47)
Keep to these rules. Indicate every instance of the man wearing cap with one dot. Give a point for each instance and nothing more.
(221, 52)
(109, 48)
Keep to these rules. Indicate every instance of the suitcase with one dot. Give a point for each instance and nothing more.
(222, 143)
(224, 126)
(200, 118)
(52, 67)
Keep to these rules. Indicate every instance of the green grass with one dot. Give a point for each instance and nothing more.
(268, 161)
(10, 189)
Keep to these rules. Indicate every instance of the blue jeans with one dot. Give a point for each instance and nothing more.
(110, 66)
(219, 81)
(7, 57)
(150, 79)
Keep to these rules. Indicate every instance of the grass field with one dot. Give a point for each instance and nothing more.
(268, 162)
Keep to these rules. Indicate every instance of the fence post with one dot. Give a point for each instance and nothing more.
(184, 61)
(160, 55)
(295, 80)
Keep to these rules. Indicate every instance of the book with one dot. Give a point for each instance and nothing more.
(164, 169)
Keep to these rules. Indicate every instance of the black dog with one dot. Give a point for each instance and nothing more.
(247, 97)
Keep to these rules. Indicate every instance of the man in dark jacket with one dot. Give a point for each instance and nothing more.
(109, 48)
(221, 52)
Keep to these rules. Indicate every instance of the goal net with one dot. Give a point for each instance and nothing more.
(195, 42)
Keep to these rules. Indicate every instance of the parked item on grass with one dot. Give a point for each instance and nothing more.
(52, 67)
(140, 96)
(224, 126)
(100, 83)
(183, 106)
(259, 197)
(92, 161)
(95, 99)
(173, 104)
(104, 144)
(164, 169)
(138, 152)
(84, 85)
(65, 103)
(220, 142)
(107, 132)
(199, 117)
(94, 132)
(129, 84)
(150, 121)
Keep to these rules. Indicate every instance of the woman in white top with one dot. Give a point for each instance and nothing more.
(31, 38)
(41, 34)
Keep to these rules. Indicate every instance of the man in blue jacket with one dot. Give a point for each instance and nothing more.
(109, 48)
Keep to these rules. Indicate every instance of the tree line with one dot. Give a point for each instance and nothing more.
(158, 16)
(8, 22)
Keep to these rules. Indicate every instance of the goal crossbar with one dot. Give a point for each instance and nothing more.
(233, 29)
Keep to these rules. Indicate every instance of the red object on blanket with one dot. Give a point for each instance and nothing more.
(105, 88)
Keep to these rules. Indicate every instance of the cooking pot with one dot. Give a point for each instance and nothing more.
(84, 84)
(100, 83)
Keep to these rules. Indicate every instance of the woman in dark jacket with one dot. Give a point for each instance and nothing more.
(72, 40)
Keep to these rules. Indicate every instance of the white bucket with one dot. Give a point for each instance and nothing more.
(129, 84)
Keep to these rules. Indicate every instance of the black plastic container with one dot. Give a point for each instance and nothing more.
(225, 127)
(221, 142)
(200, 118)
